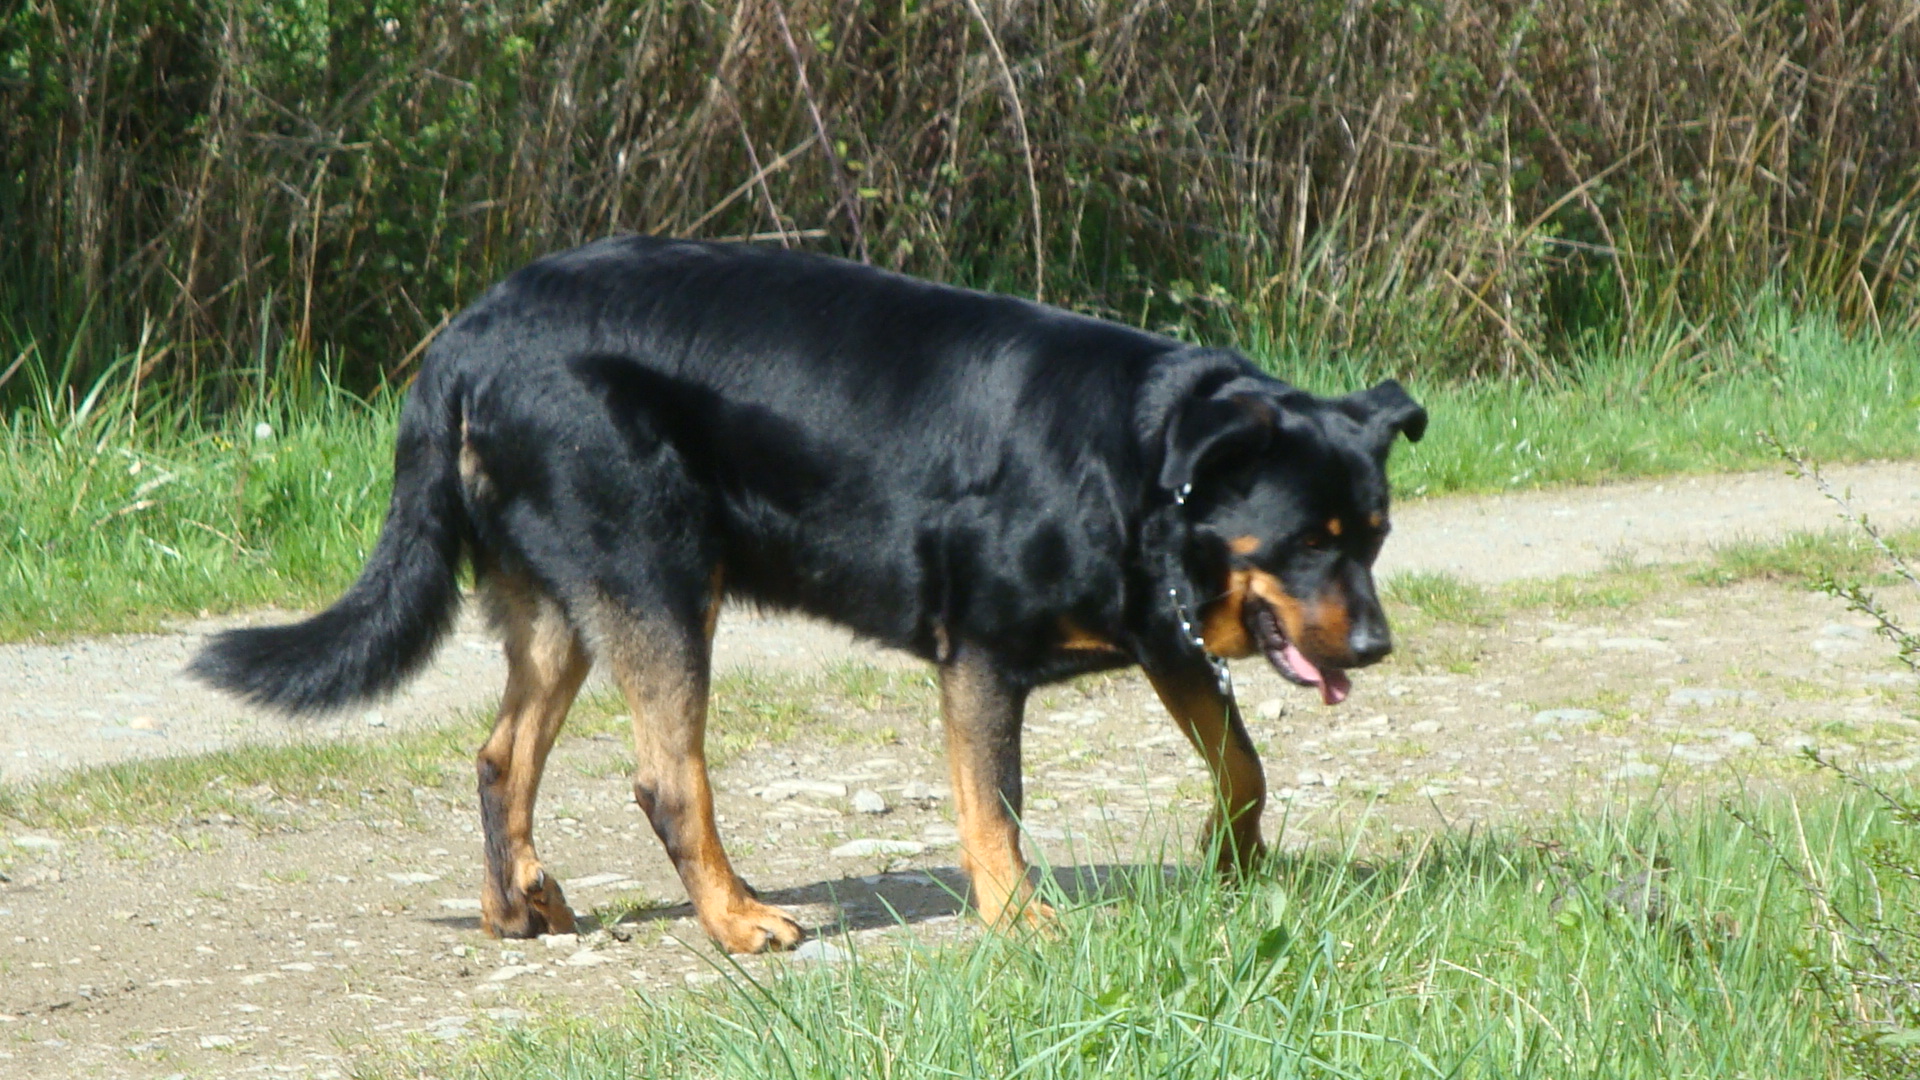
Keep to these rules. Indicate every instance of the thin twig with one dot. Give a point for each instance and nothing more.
(848, 198)
(1026, 150)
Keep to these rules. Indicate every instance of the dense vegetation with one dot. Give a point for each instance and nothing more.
(1443, 186)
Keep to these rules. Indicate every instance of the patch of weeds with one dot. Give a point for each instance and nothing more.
(621, 908)
(1441, 596)
(871, 687)
(258, 786)
(1611, 591)
(1800, 556)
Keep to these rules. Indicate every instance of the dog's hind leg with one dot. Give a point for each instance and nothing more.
(981, 711)
(661, 664)
(1211, 722)
(546, 664)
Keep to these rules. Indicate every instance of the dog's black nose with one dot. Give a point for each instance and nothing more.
(1370, 642)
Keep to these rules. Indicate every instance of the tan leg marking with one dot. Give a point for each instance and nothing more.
(664, 675)
(1211, 722)
(545, 666)
(981, 714)
(716, 589)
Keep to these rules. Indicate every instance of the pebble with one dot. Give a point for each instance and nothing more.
(915, 791)
(861, 849)
(560, 941)
(1424, 727)
(412, 877)
(1742, 740)
(586, 958)
(1567, 716)
(1634, 770)
(1271, 709)
(1703, 698)
(511, 971)
(144, 723)
(36, 843)
(460, 903)
(781, 790)
(374, 718)
(816, 951)
(595, 881)
(215, 1042)
(868, 801)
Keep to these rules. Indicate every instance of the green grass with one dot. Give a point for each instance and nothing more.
(1454, 956)
(118, 514)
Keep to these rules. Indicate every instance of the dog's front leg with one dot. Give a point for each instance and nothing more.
(1211, 721)
(981, 710)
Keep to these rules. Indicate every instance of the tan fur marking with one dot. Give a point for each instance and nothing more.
(1206, 717)
(1318, 628)
(716, 592)
(472, 475)
(1334, 527)
(1077, 638)
(1244, 545)
(1376, 519)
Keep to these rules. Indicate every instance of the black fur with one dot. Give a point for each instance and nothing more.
(923, 464)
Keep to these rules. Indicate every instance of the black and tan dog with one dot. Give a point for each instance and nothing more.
(619, 437)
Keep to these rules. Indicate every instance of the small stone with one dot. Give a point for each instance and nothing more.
(1270, 710)
(560, 941)
(868, 801)
(460, 903)
(1634, 644)
(511, 971)
(781, 790)
(1429, 791)
(1424, 727)
(816, 951)
(1567, 716)
(412, 877)
(915, 791)
(586, 958)
(1634, 770)
(297, 965)
(37, 843)
(1797, 743)
(374, 718)
(1742, 740)
(862, 849)
(595, 881)
(215, 1042)
(144, 723)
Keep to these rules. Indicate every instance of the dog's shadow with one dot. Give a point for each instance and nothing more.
(878, 901)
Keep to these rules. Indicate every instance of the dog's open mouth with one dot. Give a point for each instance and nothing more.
(1286, 657)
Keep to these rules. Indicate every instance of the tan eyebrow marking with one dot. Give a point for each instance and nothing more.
(1243, 545)
(1334, 526)
(1376, 519)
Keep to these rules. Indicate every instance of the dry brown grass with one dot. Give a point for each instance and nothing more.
(1468, 185)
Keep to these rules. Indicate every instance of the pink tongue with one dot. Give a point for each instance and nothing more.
(1333, 682)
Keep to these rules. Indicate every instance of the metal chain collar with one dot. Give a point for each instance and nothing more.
(1183, 610)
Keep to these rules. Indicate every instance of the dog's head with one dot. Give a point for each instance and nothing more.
(1287, 495)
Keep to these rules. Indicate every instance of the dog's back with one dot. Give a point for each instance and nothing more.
(884, 452)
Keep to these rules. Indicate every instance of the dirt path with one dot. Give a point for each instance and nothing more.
(213, 946)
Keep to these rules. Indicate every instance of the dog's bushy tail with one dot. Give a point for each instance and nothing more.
(386, 626)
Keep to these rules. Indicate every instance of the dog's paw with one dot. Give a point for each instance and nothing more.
(533, 907)
(753, 927)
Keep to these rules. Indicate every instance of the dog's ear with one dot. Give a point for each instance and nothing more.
(1207, 430)
(1385, 411)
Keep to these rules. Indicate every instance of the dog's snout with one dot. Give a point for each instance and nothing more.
(1370, 642)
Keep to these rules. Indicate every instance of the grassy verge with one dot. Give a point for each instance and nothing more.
(1634, 944)
(120, 516)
